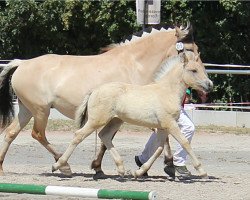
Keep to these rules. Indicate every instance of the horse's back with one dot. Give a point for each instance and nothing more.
(61, 81)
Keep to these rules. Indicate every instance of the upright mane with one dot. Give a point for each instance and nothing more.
(169, 63)
(165, 67)
(186, 36)
(144, 33)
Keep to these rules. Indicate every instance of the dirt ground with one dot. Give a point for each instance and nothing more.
(226, 158)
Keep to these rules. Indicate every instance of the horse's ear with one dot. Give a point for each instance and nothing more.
(184, 58)
(178, 33)
(197, 57)
(182, 32)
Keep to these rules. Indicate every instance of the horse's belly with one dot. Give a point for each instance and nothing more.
(139, 118)
(66, 110)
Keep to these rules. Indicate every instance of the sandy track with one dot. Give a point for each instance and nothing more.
(226, 157)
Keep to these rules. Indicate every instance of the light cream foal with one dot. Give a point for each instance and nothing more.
(156, 105)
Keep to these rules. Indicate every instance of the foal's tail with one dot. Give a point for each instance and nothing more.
(6, 94)
(81, 113)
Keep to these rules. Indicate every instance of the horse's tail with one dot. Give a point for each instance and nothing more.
(6, 94)
(81, 113)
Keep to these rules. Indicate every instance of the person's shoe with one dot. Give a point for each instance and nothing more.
(182, 172)
(170, 171)
(169, 168)
(139, 164)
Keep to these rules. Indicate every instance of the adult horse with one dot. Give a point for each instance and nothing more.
(62, 81)
(156, 105)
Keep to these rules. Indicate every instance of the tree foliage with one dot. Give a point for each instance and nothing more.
(31, 28)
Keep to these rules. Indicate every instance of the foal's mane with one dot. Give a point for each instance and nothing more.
(165, 67)
(168, 64)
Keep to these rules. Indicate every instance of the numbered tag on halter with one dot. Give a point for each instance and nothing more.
(179, 46)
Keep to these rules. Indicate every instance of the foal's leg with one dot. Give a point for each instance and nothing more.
(80, 135)
(11, 132)
(112, 127)
(38, 133)
(174, 130)
(159, 145)
(107, 137)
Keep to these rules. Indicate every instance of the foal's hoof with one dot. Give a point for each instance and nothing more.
(99, 175)
(66, 170)
(135, 174)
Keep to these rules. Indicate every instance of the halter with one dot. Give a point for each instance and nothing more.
(179, 47)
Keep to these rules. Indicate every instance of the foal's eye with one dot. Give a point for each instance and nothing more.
(194, 70)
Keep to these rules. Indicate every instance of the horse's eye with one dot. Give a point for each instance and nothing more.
(194, 70)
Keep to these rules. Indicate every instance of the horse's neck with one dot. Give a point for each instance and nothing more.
(156, 45)
(150, 51)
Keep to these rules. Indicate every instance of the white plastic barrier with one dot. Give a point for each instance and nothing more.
(220, 118)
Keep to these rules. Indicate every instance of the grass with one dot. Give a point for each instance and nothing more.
(69, 125)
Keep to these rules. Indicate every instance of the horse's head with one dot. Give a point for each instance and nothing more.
(194, 73)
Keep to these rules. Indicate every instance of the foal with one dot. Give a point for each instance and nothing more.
(156, 105)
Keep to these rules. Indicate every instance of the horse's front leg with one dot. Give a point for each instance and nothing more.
(38, 133)
(174, 130)
(158, 146)
(111, 128)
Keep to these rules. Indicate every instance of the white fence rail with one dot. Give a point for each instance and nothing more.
(210, 71)
(227, 71)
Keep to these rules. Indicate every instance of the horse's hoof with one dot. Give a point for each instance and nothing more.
(204, 176)
(99, 175)
(121, 173)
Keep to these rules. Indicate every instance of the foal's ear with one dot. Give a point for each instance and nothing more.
(197, 57)
(184, 58)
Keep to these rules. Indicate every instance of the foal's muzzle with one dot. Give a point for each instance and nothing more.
(208, 86)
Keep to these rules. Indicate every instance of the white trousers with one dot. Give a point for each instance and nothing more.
(180, 156)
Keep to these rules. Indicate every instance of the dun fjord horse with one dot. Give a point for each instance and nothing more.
(62, 81)
(156, 105)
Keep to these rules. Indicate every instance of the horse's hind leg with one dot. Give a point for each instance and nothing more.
(11, 132)
(168, 156)
(112, 127)
(38, 133)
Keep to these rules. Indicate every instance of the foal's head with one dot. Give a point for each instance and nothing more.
(194, 73)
